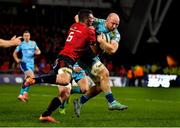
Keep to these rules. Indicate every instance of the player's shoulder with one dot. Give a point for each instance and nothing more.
(115, 32)
(78, 26)
(99, 20)
(33, 42)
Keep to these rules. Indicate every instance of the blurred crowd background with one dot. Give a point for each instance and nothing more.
(49, 20)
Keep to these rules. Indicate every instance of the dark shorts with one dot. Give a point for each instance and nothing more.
(63, 61)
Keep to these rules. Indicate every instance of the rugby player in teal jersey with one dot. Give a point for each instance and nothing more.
(28, 49)
(109, 28)
(96, 68)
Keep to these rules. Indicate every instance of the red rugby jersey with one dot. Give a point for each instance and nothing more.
(79, 37)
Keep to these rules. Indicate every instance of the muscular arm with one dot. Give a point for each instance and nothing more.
(8, 43)
(109, 48)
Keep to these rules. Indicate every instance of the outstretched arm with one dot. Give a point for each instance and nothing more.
(8, 43)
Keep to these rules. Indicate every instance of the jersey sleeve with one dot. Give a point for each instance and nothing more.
(116, 36)
(97, 21)
(18, 48)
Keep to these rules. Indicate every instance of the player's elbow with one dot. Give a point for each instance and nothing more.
(38, 52)
(113, 49)
(14, 54)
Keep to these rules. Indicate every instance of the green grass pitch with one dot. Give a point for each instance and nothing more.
(148, 107)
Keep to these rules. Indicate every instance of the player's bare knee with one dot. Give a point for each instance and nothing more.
(63, 78)
(84, 89)
(104, 73)
(65, 93)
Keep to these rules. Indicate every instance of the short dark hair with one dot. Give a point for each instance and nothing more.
(26, 31)
(84, 14)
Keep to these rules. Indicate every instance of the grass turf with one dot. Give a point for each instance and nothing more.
(148, 107)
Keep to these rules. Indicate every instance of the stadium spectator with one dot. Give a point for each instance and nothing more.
(121, 71)
(4, 67)
(139, 74)
(154, 68)
(43, 66)
(110, 67)
(131, 77)
(171, 61)
(28, 49)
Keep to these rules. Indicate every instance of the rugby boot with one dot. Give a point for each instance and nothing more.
(77, 107)
(28, 82)
(48, 119)
(115, 105)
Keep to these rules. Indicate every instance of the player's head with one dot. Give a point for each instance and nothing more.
(86, 16)
(26, 36)
(112, 21)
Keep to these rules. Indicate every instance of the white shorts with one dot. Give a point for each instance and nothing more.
(97, 67)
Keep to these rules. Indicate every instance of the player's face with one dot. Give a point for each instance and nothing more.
(26, 36)
(91, 19)
(112, 23)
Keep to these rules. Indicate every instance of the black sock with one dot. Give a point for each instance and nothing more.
(55, 103)
(84, 99)
(49, 78)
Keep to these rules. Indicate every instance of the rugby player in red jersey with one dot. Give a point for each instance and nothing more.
(80, 37)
